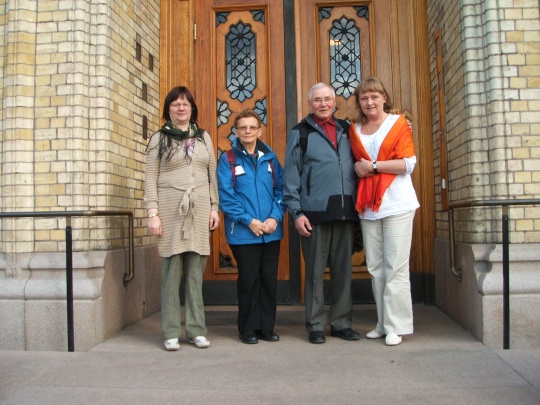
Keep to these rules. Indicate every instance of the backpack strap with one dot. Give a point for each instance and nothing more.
(304, 130)
(232, 163)
(344, 124)
(271, 162)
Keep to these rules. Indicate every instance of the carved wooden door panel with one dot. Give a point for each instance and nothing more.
(354, 40)
(342, 41)
(240, 64)
(341, 54)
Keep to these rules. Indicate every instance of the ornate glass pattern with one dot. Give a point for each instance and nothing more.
(221, 18)
(240, 61)
(324, 12)
(260, 108)
(345, 62)
(258, 15)
(231, 137)
(223, 112)
(362, 11)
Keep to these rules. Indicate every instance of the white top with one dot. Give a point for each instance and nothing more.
(400, 196)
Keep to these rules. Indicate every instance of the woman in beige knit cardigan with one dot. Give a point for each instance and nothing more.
(180, 193)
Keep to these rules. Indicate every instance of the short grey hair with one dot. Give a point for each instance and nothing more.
(320, 86)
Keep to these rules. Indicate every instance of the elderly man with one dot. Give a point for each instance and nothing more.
(320, 191)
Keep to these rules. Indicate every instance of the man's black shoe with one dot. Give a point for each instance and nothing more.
(316, 337)
(267, 335)
(345, 334)
(248, 337)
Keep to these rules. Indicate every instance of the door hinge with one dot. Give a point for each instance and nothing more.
(194, 32)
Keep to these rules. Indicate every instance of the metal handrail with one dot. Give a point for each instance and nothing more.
(69, 253)
(506, 256)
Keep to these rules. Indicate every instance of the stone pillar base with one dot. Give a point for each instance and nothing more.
(33, 297)
(476, 302)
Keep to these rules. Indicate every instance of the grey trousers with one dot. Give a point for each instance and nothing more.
(329, 242)
(193, 265)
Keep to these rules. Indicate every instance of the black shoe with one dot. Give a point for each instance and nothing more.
(316, 337)
(267, 335)
(248, 337)
(345, 334)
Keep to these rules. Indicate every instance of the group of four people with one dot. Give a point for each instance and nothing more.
(334, 173)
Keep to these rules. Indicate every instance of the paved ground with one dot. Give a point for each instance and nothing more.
(440, 364)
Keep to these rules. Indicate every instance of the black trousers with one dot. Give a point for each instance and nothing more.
(256, 285)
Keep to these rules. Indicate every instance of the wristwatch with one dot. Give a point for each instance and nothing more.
(375, 167)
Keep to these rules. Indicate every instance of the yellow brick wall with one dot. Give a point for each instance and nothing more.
(72, 114)
(491, 60)
(445, 16)
(3, 27)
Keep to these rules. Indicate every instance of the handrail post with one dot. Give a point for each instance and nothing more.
(69, 286)
(129, 276)
(506, 278)
(455, 272)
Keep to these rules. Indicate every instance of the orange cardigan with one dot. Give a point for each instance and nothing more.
(398, 144)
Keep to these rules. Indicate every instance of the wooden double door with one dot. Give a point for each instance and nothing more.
(265, 55)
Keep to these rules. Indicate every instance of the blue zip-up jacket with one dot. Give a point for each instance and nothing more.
(320, 183)
(253, 195)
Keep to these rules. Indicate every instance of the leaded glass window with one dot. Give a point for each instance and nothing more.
(223, 112)
(345, 62)
(345, 49)
(260, 108)
(240, 60)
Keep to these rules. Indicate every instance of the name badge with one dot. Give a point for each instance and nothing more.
(239, 170)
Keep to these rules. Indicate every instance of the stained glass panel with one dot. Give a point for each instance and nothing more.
(344, 34)
(240, 60)
(345, 62)
(260, 108)
(223, 112)
(221, 18)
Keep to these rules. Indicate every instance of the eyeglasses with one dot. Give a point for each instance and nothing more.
(327, 100)
(178, 105)
(246, 127)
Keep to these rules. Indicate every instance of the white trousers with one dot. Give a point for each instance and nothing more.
(387, 244)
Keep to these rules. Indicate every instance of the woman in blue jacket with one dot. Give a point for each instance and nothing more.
(250, 180)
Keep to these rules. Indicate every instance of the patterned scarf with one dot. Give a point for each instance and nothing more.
(186, 139)
(177, 134)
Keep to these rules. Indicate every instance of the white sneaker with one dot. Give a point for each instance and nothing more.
(374, 334)
(172, 344)
(200, 341)
(392, 339)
